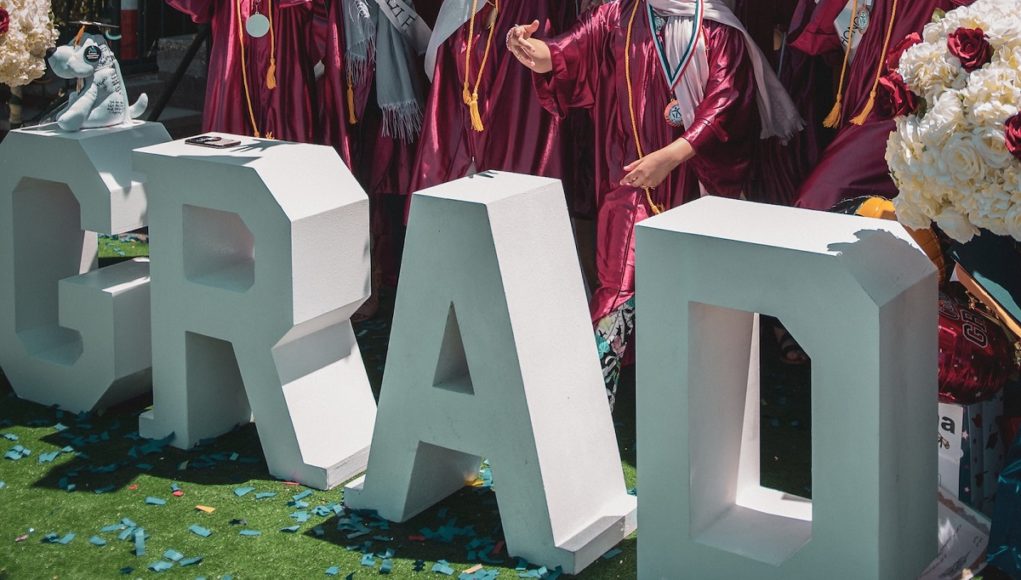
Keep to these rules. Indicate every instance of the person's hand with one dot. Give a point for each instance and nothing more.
(649, 171)
(526, 50)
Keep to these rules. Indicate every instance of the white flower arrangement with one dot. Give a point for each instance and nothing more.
(957, 160)
(23, 46)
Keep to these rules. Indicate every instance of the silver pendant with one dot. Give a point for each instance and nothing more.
(257, 25)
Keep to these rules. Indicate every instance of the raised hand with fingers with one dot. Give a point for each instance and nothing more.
(529, 51)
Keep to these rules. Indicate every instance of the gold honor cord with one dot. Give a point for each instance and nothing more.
(631, 104)
(271, 73)
(864, 114)
(833, 119)
(472, 98)
(244, 71)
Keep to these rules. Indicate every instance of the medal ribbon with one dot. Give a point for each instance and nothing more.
(674, 76)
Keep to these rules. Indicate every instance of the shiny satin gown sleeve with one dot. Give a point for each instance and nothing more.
(575, 78)
(726, 124)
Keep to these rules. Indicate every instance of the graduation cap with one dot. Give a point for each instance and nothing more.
(989, 268)
(109, 31)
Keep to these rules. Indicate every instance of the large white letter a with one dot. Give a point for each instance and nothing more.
(492, 355)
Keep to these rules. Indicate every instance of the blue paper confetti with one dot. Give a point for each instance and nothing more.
(190, 561)
(3, 484)
(443, 567)
(250, 533)
(387, 566)
(368, 560)
(97, 541)
(10, 437)
(302, 495)
(290, 529)
(200, 531)
(111, 528)
(139, 542)
(332, 571)
(300, 517)
(265, 495)
(172, 555)
(126, 534)
(243, 491)
(160, 566)
(67, 539)
(155, 501)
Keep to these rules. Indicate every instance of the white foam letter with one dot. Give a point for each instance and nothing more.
(72, 335)
(492, 355)
(260, 256)
(861, 298)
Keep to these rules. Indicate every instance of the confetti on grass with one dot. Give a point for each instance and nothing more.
(243, 491)
(200, 531)
(161, 566)
(250, 533)
(443, 567)
(97, 541)
(139, 542)
(332, 571)
(173, 555)
(155, 501)
(190, 561)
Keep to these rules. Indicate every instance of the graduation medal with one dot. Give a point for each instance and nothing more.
(672, 113)
(257, 24)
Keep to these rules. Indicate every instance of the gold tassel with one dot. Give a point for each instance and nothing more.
(78, 37)
(473, 111)
(833, 119)
(271, 74)
(656, 210)
(352, 119)
(860, 118)
(465, 95)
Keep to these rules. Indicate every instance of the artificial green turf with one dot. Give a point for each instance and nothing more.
(116, 247)
(32, 499)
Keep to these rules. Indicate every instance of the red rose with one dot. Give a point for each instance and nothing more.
(893, 57)
(1012, 135)
(894, 98)
(5, 21)
(971, 47)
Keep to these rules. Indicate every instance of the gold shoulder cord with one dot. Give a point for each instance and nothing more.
(631, 104)
(472, 98)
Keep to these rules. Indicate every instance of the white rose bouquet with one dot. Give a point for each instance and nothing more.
(956, 153)
(26, 31)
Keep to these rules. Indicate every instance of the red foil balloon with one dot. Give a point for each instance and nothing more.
(975, 356)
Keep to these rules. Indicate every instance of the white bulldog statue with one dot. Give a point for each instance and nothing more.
(102, 99)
